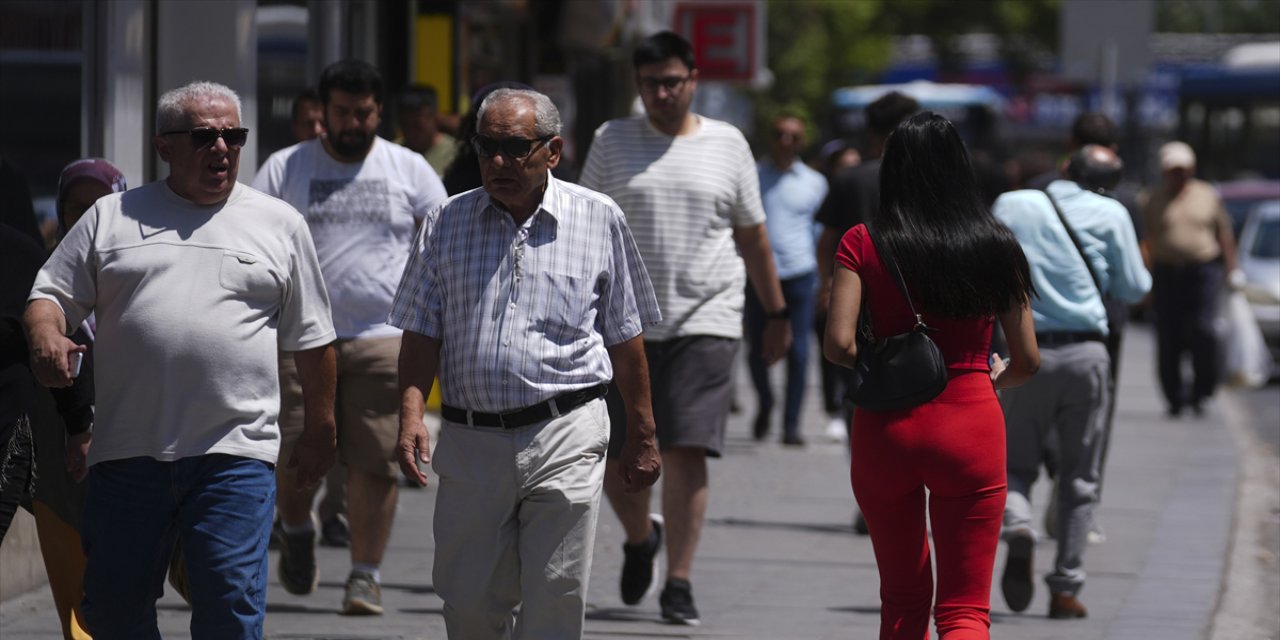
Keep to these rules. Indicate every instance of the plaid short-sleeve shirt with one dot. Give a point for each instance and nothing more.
(526, 312)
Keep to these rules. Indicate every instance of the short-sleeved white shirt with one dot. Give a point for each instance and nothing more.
(363, 217)
(193, 304)
(683, 196)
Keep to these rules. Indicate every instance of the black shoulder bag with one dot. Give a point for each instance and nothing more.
(898, 372)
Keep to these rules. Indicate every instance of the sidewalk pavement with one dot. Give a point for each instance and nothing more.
(779, 560)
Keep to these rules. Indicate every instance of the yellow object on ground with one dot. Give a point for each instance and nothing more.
(433, 399)
(64, 563)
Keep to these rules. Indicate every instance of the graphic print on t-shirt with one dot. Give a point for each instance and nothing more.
(348, 201)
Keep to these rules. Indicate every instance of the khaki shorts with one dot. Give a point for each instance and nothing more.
(368, 405)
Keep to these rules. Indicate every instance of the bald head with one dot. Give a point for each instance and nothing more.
(1095, 168)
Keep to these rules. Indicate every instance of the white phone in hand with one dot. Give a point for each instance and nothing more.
(76, 359)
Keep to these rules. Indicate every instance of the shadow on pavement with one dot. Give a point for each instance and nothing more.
(842, 529)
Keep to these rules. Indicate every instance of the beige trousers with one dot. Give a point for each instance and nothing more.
(515, 524)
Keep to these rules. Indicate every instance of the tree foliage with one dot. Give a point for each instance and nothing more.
(1218, 16)
(816, 46)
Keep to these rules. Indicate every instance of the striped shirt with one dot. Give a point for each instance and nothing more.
(524, 313)
(683, 197)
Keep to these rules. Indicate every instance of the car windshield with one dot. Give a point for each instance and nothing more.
(1266, 242)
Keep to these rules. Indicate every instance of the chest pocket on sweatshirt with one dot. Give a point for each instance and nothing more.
(249, 278)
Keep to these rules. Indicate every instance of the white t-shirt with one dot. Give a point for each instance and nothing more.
(683, 196)
(193, 304)
(363, 217)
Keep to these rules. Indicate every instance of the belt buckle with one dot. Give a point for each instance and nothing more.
(502, 421)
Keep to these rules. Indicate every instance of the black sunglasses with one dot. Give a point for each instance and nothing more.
(514, 148)
(202, 137)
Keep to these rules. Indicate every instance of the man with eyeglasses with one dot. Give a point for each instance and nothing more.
(527, 297)
(689, 189)
(196, 282)
(363, 198)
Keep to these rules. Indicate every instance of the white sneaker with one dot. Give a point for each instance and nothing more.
(835, 430)
(1096, 534)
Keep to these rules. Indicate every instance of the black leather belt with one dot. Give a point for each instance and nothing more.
(555, 407)
(1063, 338)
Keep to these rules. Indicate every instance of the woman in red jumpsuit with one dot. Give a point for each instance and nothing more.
(963, 270)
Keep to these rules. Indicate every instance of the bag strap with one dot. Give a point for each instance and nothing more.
(1071, 233)
(1076, 241)
(887, 259)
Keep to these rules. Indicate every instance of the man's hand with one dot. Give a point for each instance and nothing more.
(51, 355)
(314, 454)
(776, 340)
(641, 463)
(78, 455)
(414, 444)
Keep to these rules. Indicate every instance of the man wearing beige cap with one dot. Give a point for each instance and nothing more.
(1188, 247)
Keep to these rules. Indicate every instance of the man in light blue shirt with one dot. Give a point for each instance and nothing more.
(1071, 394)
(791, 192)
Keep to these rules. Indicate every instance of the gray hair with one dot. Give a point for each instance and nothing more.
(174, 106)
(546, 117)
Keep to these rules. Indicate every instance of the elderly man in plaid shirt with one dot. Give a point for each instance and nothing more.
(527, 297)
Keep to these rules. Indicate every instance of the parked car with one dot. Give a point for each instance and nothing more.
(1259, 251)
(1241, 196)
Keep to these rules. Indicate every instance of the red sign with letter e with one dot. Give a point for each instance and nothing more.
(723, 36)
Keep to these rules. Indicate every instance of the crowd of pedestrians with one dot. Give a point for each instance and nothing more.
(214, 352)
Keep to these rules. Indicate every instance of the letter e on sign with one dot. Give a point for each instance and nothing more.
(723, 36)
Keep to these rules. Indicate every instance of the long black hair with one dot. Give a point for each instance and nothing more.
(959, 261)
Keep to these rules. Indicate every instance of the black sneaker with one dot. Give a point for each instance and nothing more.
(297, 568)
(677, 603)
(860, 524)
(334, 532)
(1017, 583)
(640, 565)
(792, 440)
(760, 428)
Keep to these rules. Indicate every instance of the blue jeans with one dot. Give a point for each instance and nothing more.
(219, 505)
(799, 292)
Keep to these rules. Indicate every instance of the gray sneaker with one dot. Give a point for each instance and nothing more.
(297, 568)
(363, 597)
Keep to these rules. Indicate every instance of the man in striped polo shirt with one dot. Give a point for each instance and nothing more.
(689, 189)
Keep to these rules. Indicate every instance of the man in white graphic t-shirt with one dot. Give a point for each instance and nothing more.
(363, 198)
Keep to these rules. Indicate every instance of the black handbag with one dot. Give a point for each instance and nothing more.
(898, 372)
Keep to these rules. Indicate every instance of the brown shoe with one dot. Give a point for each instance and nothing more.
(1065, 606)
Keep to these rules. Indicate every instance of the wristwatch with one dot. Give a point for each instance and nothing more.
(780, 314)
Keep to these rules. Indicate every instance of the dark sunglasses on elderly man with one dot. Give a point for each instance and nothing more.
(514, 148)
(202, 137)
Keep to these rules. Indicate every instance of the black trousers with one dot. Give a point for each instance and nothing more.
(1186, 306)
